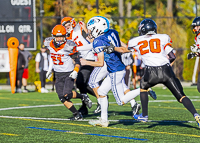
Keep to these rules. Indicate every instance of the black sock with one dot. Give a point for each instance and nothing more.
(24, 87)
(144, 101)
(73, 110)
(79, 95)
(188, 105)
(83, 104)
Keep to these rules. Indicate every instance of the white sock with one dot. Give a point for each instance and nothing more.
(104, 108)
(131, 95)
(132, 102)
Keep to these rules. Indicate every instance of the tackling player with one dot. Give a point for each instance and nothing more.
(157, 54)
(77, 33)
(99, 29)
(65, 71)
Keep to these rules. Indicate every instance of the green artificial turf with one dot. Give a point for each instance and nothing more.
(169, 120)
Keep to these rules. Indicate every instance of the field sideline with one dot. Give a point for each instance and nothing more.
(36, 117)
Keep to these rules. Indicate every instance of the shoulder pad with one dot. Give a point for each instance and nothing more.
(47, 41)
(69, 45)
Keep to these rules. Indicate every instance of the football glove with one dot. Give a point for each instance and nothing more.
(191, 55)
(49, 74)
(73, 75)
(195, 48)
(109, 49)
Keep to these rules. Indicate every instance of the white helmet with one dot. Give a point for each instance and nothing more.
(97, 26)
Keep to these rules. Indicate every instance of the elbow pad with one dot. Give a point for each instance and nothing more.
(172, 56)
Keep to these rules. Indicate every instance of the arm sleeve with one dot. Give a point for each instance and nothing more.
(85, 47)
(77, 60)
(172, 56)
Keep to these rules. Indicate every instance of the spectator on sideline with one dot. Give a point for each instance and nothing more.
(42, 66)
(20, 70)
(27, 56)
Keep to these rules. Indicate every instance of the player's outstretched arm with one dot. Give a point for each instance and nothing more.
(98, 63)
(111, 48)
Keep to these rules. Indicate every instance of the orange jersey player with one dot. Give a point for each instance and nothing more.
(65, 70)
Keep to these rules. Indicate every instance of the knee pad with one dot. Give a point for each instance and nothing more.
(62, 99)
(66, 97)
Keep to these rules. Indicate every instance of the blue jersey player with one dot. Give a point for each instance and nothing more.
(98, 28)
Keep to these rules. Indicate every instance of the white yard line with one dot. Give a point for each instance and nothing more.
(121, 121)
(38, 106)
(60, 119)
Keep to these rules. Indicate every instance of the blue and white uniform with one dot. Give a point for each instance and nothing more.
(115, 66)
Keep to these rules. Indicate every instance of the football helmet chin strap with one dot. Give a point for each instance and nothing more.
(59, 43)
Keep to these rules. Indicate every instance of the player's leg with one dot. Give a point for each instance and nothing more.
(148, 80)
(103, 91)
(126, 78)
(82, 85)
(134, 105)
(97, 75)
(19, 80)
(64, 85)
(198, 82)
(174, 85)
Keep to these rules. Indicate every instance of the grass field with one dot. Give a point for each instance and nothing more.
(36, 117)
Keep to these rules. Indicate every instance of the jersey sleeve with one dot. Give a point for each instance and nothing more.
(168, 44)
(98, 46)
(168, 41)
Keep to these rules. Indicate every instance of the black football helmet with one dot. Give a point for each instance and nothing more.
(196, 22)
(147, 26)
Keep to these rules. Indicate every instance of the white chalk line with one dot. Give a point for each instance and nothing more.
(60, 119)
(86, 120)
(38, 106)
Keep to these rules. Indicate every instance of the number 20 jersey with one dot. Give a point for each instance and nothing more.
(152, 48)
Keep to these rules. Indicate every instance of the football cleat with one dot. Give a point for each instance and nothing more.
(152, 93)
(77, 116)
(141, 118)
(135, 109)
(98, 109)
(87, 101)
(197, 118)
(99, 122)
(83, 109)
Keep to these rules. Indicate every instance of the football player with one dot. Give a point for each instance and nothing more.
(65, 71)
(99, 30)
(77, 33)
(196, 47)
(157, 54)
